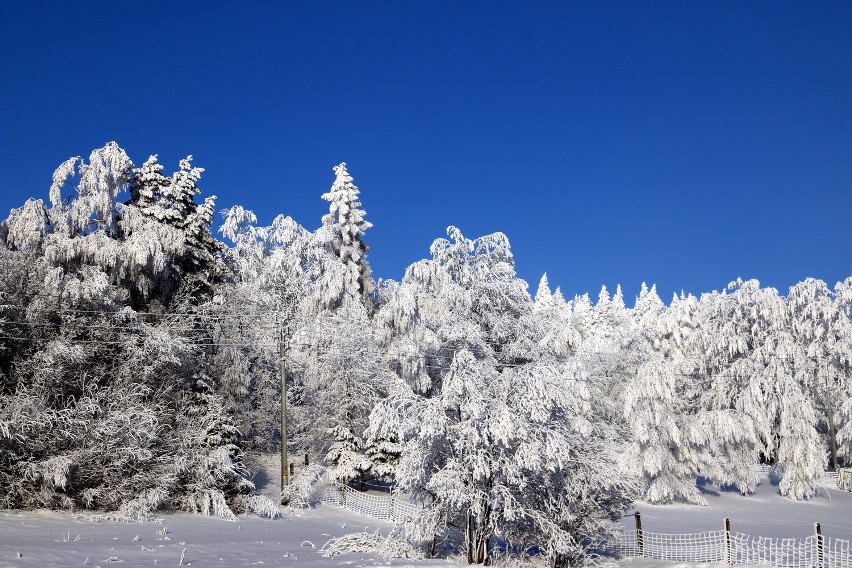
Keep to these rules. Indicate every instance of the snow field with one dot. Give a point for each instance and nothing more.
(54, 539)
(765, 513)
(57, 539)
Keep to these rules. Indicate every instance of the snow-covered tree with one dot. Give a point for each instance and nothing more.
(25, 228)
(346, 457)
(843, 341)
(753, 367)
(148, 190)
(474, 452)
(94, 185)
(408, 321)
(342, 232)
(543, 295)
(667, 447)
(98, 401)
(269, 274)
(340, 377)
(384, 454)
(467, 289)
(466, 447)
(821, 329)
(476, 277)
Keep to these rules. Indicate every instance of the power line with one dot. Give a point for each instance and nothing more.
(446, 359)
(260, 323)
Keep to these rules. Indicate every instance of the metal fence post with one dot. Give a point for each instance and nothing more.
(728, 559)
(820, 546)
(640, 540)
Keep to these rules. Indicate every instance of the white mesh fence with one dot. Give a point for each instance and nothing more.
(626, 544)
(695, 547)
(782, 552)
(837, 553)
(831, 480)
(763, 471)
(375, 506)
(844, 479)
(737, 549)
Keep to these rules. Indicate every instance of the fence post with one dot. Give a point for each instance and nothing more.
(820, 548)
(728, 559)
(306, 460)
(640, 540)
(292, 469)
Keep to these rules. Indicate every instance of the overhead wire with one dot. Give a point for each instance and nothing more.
(262, 322)
(387, 357)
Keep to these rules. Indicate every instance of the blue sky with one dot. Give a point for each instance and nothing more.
(683, 144)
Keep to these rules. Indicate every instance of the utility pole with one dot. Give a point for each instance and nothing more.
(285, 468)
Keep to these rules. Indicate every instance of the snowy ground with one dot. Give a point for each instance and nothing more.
(47, 539)
(765, 513)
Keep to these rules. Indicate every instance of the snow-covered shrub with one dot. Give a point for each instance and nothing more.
(259, 505)
(301, 491)
(393, 545)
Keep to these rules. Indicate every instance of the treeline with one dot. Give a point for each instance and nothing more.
(139, 359)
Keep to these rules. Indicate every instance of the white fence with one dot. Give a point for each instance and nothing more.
(735, 549)
(839, 479)
(376, 506)
(831, 479)
(723, 546)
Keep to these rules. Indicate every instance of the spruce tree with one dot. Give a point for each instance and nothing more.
(344, 227)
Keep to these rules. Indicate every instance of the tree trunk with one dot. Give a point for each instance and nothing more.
(832, 435)
(832, 427)
(477, 542)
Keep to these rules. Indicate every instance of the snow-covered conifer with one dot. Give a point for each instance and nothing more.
(543, 296)
(345, 456)
(148, 187)
(384, 454)
(343, 232)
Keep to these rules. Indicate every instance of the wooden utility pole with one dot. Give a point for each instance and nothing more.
(285, 479)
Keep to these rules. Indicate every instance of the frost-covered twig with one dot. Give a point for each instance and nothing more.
(391, 546)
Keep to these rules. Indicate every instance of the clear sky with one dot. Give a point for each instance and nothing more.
(679, 143)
